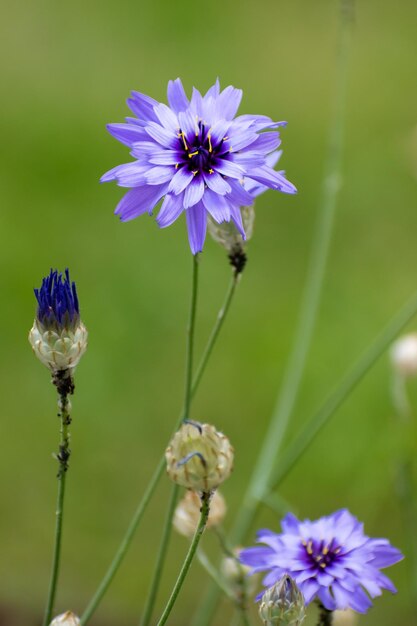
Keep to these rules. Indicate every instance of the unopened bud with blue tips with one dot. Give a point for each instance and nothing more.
(58, 337)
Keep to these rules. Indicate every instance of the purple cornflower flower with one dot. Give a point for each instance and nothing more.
(330, 559)
(196, 156)
(57, 301)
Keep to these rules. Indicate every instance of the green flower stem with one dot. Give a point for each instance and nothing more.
(216, 330)
(163, 547)
(64, 384)
(205, 510)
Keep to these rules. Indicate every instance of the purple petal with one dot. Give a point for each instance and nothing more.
(197, 226)
(181, 179)
(236, 216)
(127, 175)
(127, 133)
(359, 601)
(177, 99)
(139, 200)
(326, 599)
(167, 138)
(167, 118)
(239, 195)
(309, 589)
(267, 142)
(290, 525)
(217, 206)
(228, 168)
(165, 157)
(273, 179)
(242, 140)
(196, 103)
(228, 102)
(384, 553)
(216, 183)
(142, 106)
(188, 123)
(214, 91)
(171, 209)
(159, 174)
(194, 192)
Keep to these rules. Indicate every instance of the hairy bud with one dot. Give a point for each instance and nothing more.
(199, 457)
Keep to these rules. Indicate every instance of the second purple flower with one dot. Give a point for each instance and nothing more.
(197, 157)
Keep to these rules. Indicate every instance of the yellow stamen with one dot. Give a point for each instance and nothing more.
(211, 171)
(195, 172)
(177, 165)
(325, 550)
(209, 141)
(309, 547)
(182, 136)
(323, 565)
(191, 154)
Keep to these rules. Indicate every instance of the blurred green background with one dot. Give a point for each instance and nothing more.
(67, 69)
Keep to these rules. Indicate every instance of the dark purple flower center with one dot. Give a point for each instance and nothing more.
(321, 553)
(199, 152)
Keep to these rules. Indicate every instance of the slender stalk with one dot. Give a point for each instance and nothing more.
(216, 330)
(160, 560)
(127, 539)
(205, 509)
(63, 382)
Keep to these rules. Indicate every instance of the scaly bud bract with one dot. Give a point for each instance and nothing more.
(226, 233)
(282, 604)
(199, 457)
(58, 337)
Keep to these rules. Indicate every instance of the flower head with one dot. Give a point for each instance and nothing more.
(330, 559)
(199, 457)
(196, 156)
(58, 337)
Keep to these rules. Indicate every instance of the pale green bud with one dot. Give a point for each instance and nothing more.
(199, 457)
(282, 604)
(58, 348)
(226, 233)
(187, 513)
(66, 619)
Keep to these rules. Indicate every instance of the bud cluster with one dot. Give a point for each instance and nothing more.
(227, 235)
(199, 457)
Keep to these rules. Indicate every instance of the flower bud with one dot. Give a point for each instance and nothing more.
(199, 457)
(226, 233)
(58, 337)
(187, 513)
(282, 604)
(345, 617)
(404, 355)
(66, 619)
